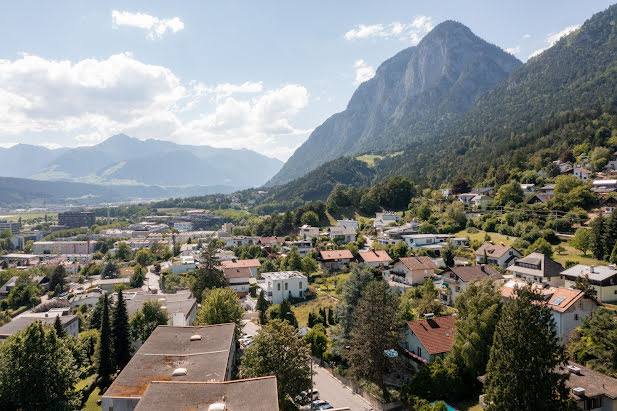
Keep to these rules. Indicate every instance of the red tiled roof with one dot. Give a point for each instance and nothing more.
(435, 334)
(240, 263)
(494, 250)
(418, 263)
(240, 272)
(374, 256)
(335, 254)
(567, 297)
(272, 240)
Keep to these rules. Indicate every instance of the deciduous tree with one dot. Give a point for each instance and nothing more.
(219, 306)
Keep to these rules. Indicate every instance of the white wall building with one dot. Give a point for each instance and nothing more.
(281, 285)
(183, 226)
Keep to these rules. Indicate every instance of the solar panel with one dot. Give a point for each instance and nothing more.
(558, 300)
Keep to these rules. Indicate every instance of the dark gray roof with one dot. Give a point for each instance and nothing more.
(256, 394)
(10, 283)
(21, 323)
(169, 348)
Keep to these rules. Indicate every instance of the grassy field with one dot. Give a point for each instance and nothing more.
(92, 399)
(302, 311)
(369, 159)
(327, 286)
(495, 237)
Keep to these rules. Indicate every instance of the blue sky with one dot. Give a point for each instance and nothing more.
(240, 74)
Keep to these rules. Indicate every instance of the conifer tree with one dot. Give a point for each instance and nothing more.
(58, 326)
(610, 235)
(105, 365)
(121, 333)
(597, 238)
(523, 372)
(331, 320)
(311, 320)
(262, 307)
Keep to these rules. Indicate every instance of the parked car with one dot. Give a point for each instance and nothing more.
(319, 405)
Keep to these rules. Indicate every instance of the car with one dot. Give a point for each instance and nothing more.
(317, 404)
(325, 406)
(303, 397)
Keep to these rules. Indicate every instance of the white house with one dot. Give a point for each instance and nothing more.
(466, 198)
(184, 265)
(282, 285)
(344, 234)
(375, 258)
(602, 278)
(252, 264)
(411, 270)
(457, 279)
(436, 241)
(238, 241)
(183, 226)
(302, 246)
(385, 219)
(537, 268)
(581, 173)
(307, 232)
(497, 254)
(428, 339)
(528, 188)
(238, 279)
(348, 223)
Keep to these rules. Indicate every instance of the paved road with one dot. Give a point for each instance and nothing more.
(151, 280)
(250, 328)
(338, 395)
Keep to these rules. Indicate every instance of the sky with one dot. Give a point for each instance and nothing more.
(239, 74)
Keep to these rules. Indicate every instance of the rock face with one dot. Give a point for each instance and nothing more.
(416, 91)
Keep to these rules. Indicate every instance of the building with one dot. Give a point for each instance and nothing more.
(385, 219)
(375, 258)
(431, 241)
(412, 270)
(348, 223)
(63, 247)
(602, 278)
(183, 226)
(457, 279)
(184, 265)
(282, 285)
(537, 268)
(255, 394)
(591, 389)
(548, 190)
(238, 279)
(6, 287)
(90, 298)
(466, 198)
(200, 354)
(496, 254)
(335, 260)
(108, 284)
(428, 339)
(343, 234)
(70, 323)
(568, 307)
(238, 241)
(581, 173)
(528, 188)
(271, 241)
(307, 232)
(13, 226)
(303, 247)
(76, 219)
(181, 307)
(251, 264)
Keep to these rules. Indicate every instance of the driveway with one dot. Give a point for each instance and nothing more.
(250, 328)
(338, 395)
(151, 281)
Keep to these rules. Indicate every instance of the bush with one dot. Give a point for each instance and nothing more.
(472, 230)
(570, 263)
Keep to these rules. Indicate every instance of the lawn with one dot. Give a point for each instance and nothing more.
(327, 286)
(495, 237)
(82, 383)
(92, 399)
(369, 159)
(302, 311)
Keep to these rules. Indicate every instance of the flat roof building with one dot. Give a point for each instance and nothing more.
(76, 219)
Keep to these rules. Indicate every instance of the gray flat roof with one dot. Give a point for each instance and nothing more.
(256, 394)
(169, 348)
(22, 323)
(600, 272)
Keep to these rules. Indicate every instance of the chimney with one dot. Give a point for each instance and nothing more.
(429, 316)
(591, 268)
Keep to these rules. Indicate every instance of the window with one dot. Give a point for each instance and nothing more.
(580, 304)
(575, 317)
(278, 287)
(286, 286)
(419, 351)
(300, 285)
(593, 403)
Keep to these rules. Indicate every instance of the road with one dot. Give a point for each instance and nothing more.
(151, 280)
(338, 395)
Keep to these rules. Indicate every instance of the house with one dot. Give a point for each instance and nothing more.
(496, 254)
(63, 247)
(307, 232)
(21, 260)
(581, 173)
(256, 394)
(6, 288)
(271, 241)
(537, 198)
(457, 242)
(466, 198)
(183, 226)
(238, 279)
(184, 265)
(602, 278)
(569, 307)
(563, 167)
(537, 268)
(200, 354)
(181, 307)
(107, 284)
(433, 241)
(335, 260)
(548, 190)
(528, 188)
(487, 191)
(343, 234)
(428, 339)
(238, 241)
(385, 219)
(609, 204)
(412, 270)
(70, 323)
(282, 285)
(457, 279)
(481, 201)
(348, 223)
(591, 389)
(303, 247)
(605, 183)
(375, 258)
(446, 192)
(394, 235)
(90, 298)
(252, 264)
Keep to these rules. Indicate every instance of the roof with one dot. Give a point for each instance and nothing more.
(257, 394)
(494, 250)
(435, 334)
(271, 240)
(418, 263)
(374, 256)
(475, 272)
(342, 230)
(595, 383)
(548, 267)
(240, 263)
(10, 283)
(600, 272)
(335, 254)
(173, 303)
(558, 299)
(282, 275)
(169, 348)
(548, 187)
(240, 272)
(604, 182)
(21, 323)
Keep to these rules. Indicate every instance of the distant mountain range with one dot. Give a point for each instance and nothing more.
(420, 89)
(123, 160)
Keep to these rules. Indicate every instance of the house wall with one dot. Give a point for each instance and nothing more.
(413, 343)
(569, 320)
(73, 328)
(335, 265)
(414, 277)
(607, 294)
(239, 285)
(182, 268)
(282, 289)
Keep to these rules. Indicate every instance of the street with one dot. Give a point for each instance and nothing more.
(151, 281)
(338, 395)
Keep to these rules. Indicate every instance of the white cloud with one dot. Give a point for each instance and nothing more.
(156, 27)
(89, 100)
(513, 50)
(364, 72)
(527, 36)
(553, 38)
(49, 145)
(7, 145)
(412, 32)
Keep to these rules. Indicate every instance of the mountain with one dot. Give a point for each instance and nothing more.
(21, 192)
(125, 160)
(417, 91)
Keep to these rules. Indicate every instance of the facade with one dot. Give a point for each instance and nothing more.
(435, 241)
(70, 323)
(200, 354)
(238, 279)
(13, 226)
(238, 241)
(411, 270)
(186, 264)
(375, 258)
(334, 260)
(348, 223)
(581, 173)
(428, 339)
(457, 279)
(76, 219)
(252, 264)
(282, 285)
(344, 234)
(497, 254)
(385, 219)
(537, 268)
(271, 241)
(307, 232)
(63, 247)
(302, 246)
(90, 298)
(183, 226)
(602, 278)
(6, 287)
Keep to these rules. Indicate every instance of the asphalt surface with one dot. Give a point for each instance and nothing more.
(338, 395)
